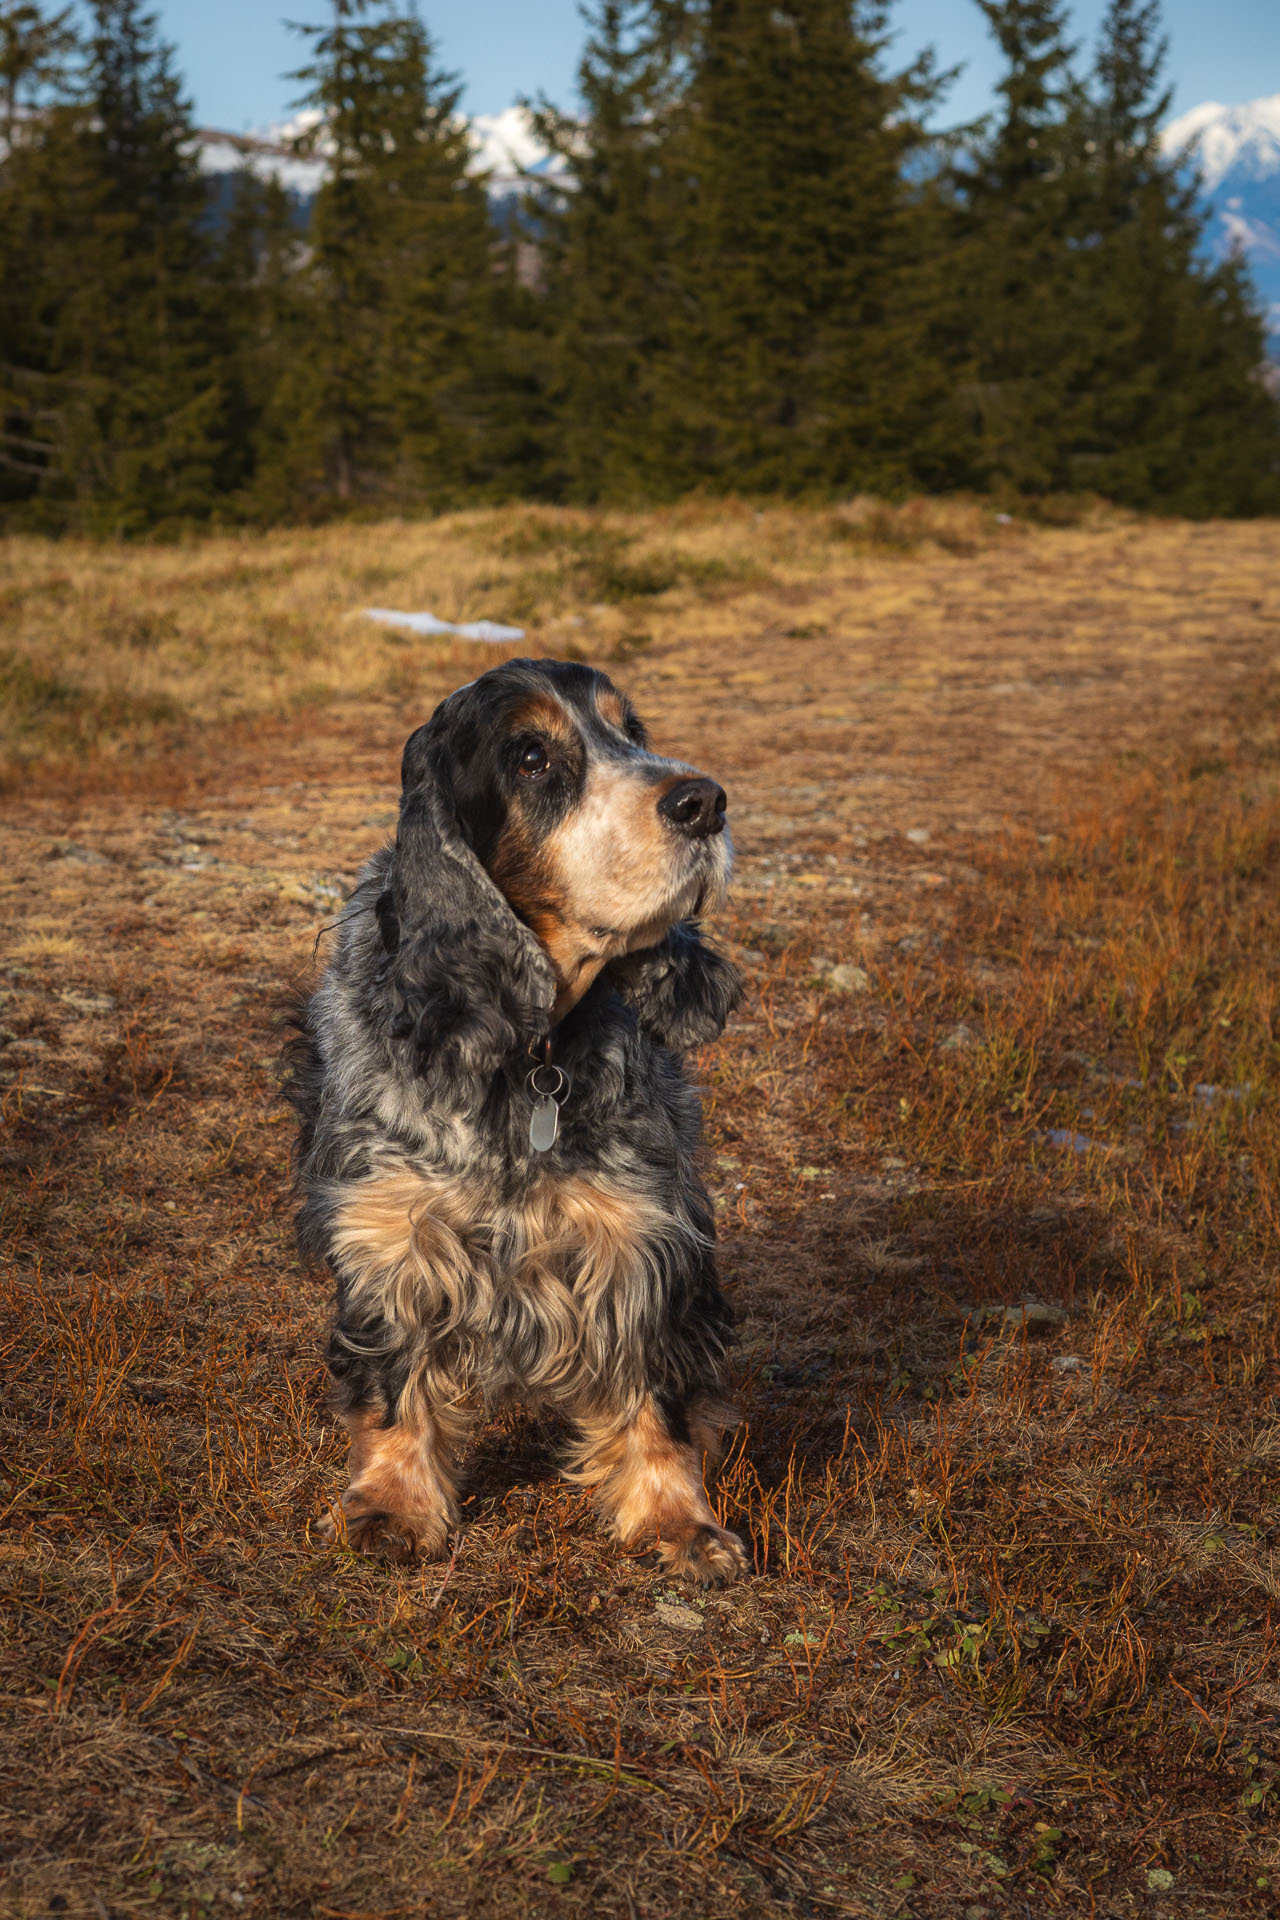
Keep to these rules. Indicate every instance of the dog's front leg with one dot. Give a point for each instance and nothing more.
(403, 1495)
(400, 1267)
(646, 1468)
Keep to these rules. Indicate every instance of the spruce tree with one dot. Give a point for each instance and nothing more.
(1165, 404)
(1020, 197)
(147, 446)
(800, 351)
(604, 225)
(400, 283)
(35, 50)
(264, 332)
(107, 323)
(43, 185)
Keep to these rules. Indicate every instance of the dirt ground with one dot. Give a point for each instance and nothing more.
(993, 1144)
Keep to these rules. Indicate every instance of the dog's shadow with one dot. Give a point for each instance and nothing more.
(846, 1311)
(858, 1305)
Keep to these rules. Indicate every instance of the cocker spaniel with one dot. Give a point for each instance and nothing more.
(497, 1136)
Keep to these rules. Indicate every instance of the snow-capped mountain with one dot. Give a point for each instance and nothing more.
(502, 144)
(1237, 150)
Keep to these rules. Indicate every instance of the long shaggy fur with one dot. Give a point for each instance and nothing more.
(469, 1268)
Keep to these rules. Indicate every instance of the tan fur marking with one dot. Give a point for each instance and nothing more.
(544, 714)
(402, 1498)
(399, 1237)
(649, 1484)
(521, 871)
(422, 1248)
(613, 856)
(613, 877)
(430, 1249)
(611, 707)
(614, 1226)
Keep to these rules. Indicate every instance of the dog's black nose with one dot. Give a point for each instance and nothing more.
(695, 807)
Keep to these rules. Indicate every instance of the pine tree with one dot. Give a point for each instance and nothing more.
(148, 443)
(800, 353)
(264, 332)
(604, 226)
(400, 283)
(41, 183)
(1164, 403)
(1020, 198)
(34, 56)
(108, 327)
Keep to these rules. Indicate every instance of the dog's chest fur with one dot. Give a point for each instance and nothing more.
(466, 1261)
(535, 1291)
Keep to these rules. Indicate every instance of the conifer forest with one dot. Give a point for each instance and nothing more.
(758, 268)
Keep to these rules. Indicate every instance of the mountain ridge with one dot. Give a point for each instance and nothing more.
(1236, 148)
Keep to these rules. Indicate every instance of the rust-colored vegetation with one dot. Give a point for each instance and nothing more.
(995, 1150)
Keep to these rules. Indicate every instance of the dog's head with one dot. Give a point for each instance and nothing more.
(537, 823)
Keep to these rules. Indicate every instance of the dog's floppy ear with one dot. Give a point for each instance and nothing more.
(466, 984)
(682, 990)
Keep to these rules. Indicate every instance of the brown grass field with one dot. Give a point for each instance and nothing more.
(994, 1144)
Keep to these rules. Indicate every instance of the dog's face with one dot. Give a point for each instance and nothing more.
(598, 843)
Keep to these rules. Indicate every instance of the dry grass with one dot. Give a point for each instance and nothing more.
(999, 1211)
(110, 649)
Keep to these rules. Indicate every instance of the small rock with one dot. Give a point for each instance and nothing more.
(83, 856)
(673, 1613)
(918, 836)
(847, 978)
(1066, 1363)
(1077, 1142)
(1035, 1315)
(1207, 1094)
(959, 1038)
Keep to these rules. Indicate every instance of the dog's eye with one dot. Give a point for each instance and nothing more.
(534, 760)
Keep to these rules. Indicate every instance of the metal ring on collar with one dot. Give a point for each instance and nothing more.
(558, 1092)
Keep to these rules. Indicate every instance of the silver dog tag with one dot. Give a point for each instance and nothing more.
(544, 1124)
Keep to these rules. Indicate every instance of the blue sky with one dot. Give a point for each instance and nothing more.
(233, 53)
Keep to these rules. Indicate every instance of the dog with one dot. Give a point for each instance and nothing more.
(497, 1152)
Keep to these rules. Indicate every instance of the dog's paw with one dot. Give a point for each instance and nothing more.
(398, 1537)
(707, 1556)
